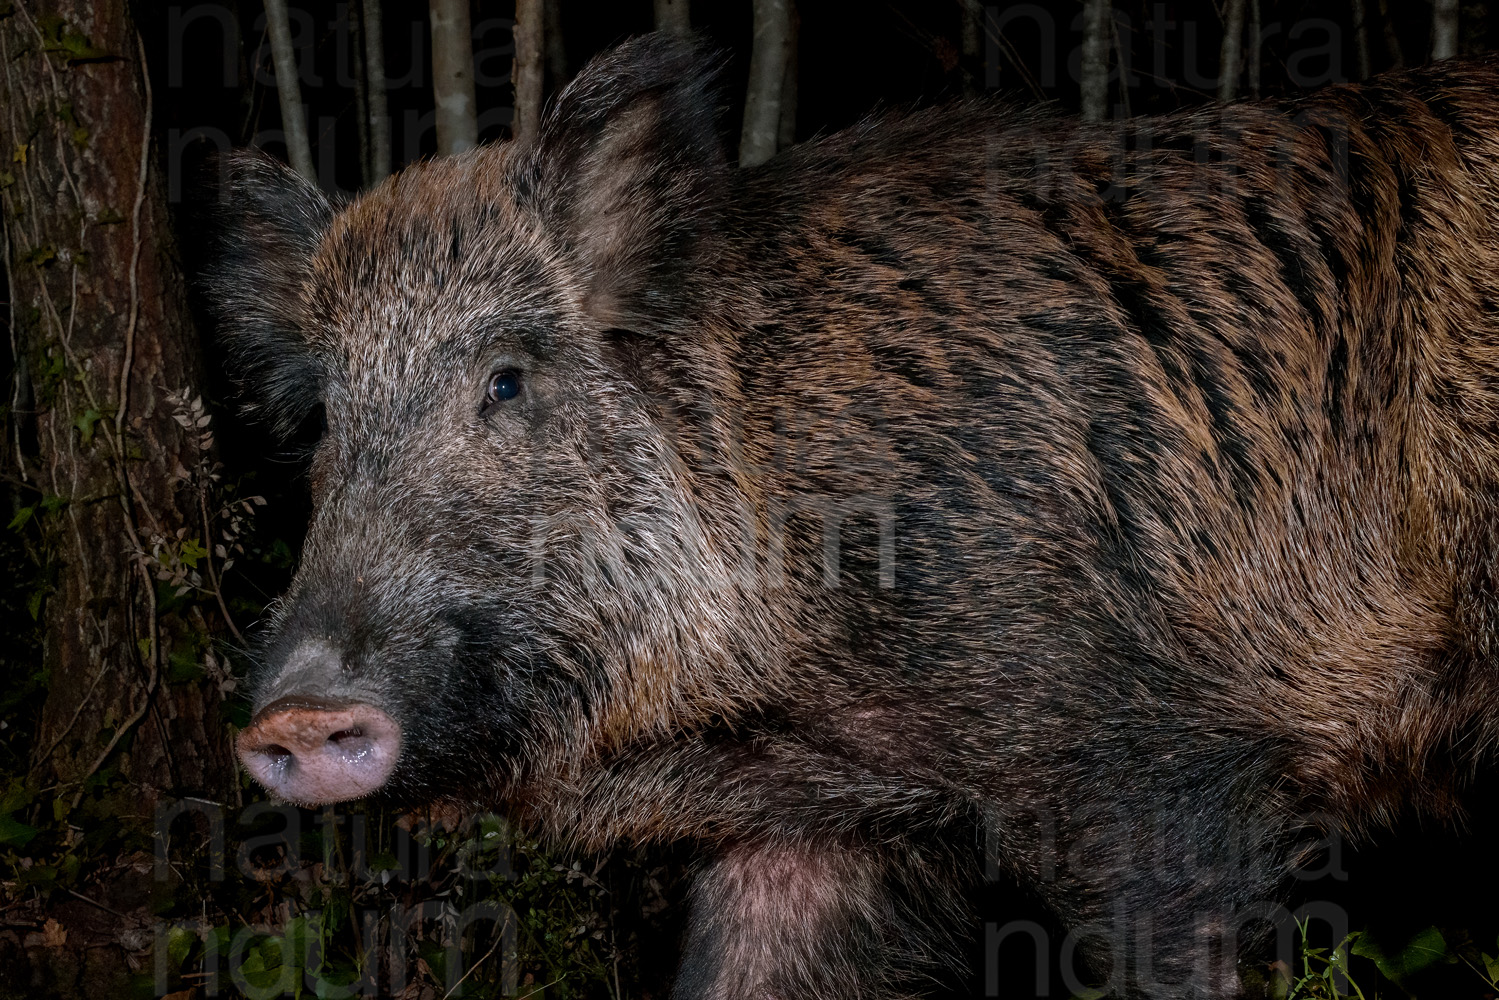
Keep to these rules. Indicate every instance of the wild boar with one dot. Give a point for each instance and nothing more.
(1123, 496)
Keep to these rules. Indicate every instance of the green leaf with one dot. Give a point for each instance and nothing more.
(336, 914)
(263, 967)
(1425, 949)
(17, 796)
(329, 988)
(1491, 967)
(22, 518)
(42, 876)
(253, 967)
(14, 833)
(384, 861)
(180, 942)
(85, 424)
(183, 666)
(192, 551)
(298, 931)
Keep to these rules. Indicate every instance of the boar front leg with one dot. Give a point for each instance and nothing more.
(796, 921)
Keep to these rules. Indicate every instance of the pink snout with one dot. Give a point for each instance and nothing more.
(312, 752)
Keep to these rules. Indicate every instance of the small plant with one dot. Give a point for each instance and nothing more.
(1324, 972)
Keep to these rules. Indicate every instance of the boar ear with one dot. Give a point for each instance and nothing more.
(628, 164)
(268, 222)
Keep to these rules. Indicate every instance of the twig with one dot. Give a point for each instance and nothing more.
(499, 939)
(537, 990)
(213, 574)
(1000, 40)
(135, 248)
(95, 902)
(17, 371)
(103, 669)
(150, 691)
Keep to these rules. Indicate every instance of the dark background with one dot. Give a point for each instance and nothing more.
(854, 58)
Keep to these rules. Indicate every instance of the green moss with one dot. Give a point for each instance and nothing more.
(38, 256)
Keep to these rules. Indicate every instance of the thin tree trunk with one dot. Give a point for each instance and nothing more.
(1443, 29)
(767, 79)
(1359, 11)
(289, 89)
(972, 44)
(786, 134)
(527, 72)
(1256, 42)
(374, 65)
(556, 45)
(1393, 48)
(117, 449)
(355, 39)
(1124, 64)
(453, 77)
(674, 16)
(1232, 51)
(1095, 68)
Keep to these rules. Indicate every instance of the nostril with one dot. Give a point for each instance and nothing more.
(315, 751)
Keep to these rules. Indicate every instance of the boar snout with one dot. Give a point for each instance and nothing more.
(314, 750)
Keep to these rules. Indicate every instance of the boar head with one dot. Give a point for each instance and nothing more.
(528, 536)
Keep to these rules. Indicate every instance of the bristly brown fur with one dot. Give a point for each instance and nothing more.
(1137, 483)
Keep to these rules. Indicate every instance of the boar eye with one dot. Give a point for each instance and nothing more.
(503, 385)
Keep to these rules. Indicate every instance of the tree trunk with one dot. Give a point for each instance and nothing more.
(289, 89)
(972, 44)
(1097, 32)
(556, 45)
(118, 455)
(1359, 12)
(1233, 48)
(767, 80)
(374, 65)
(1125, 79)
(1443, 29)
(674, 16)
(1256, 43)
(1393, 49)
(527, 72)
(453, 77)
(786, 134)
(361, 92)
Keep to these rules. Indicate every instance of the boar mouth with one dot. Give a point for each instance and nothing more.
(315, 751)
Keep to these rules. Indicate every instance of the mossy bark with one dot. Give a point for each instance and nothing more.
(109, 473)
